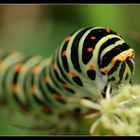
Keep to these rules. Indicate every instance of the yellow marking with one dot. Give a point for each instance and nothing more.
(127, 70)
(122, 56)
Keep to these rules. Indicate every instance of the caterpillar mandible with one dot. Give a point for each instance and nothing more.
(88, 58)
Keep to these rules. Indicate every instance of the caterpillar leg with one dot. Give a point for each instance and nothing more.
(106, 93)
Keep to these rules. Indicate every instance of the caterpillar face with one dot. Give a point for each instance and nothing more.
(117, 63)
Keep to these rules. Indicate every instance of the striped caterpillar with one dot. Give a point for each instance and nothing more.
(87, 59)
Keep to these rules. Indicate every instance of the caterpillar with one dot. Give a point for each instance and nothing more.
(89, 58)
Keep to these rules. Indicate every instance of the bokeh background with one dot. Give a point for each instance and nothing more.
(39, 29)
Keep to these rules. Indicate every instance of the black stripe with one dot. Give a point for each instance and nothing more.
(39, 101)
(62, 73)
(53, 80)
(25, 82)
(126, 77)
(15, 81)
(4, 98)
(98, 33)
(43, 92)
(111, 79)
(58, 77)
(74, 50)
(25, 88)
(105, 45)
(130, 64)
(77, 80)
(3, 57)
(112, 53)
(55, 74)
(122, 69)
(64, 58)
(19, 102)
(70, 90)
(64, 76)
(22, 105)
(15, 78)
(91, 74)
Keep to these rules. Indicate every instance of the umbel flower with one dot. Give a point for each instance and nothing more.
(118, 115)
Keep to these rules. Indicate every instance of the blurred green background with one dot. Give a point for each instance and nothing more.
(39, 29)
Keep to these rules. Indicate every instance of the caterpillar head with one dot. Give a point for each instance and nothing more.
(120, 67)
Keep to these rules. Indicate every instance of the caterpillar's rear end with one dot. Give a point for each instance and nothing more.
(89, 58)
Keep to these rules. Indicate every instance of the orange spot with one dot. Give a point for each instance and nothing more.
(34, 89)
(91, 67)
(64, 53)
(57, 96)
(106, 71)
(35, 69)
(68, 38)
(93, 38)
(65, 86)
(45, 108)
(14, 88)
(90, 49)
(73, 74)
(107, 30)
(19, 68)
